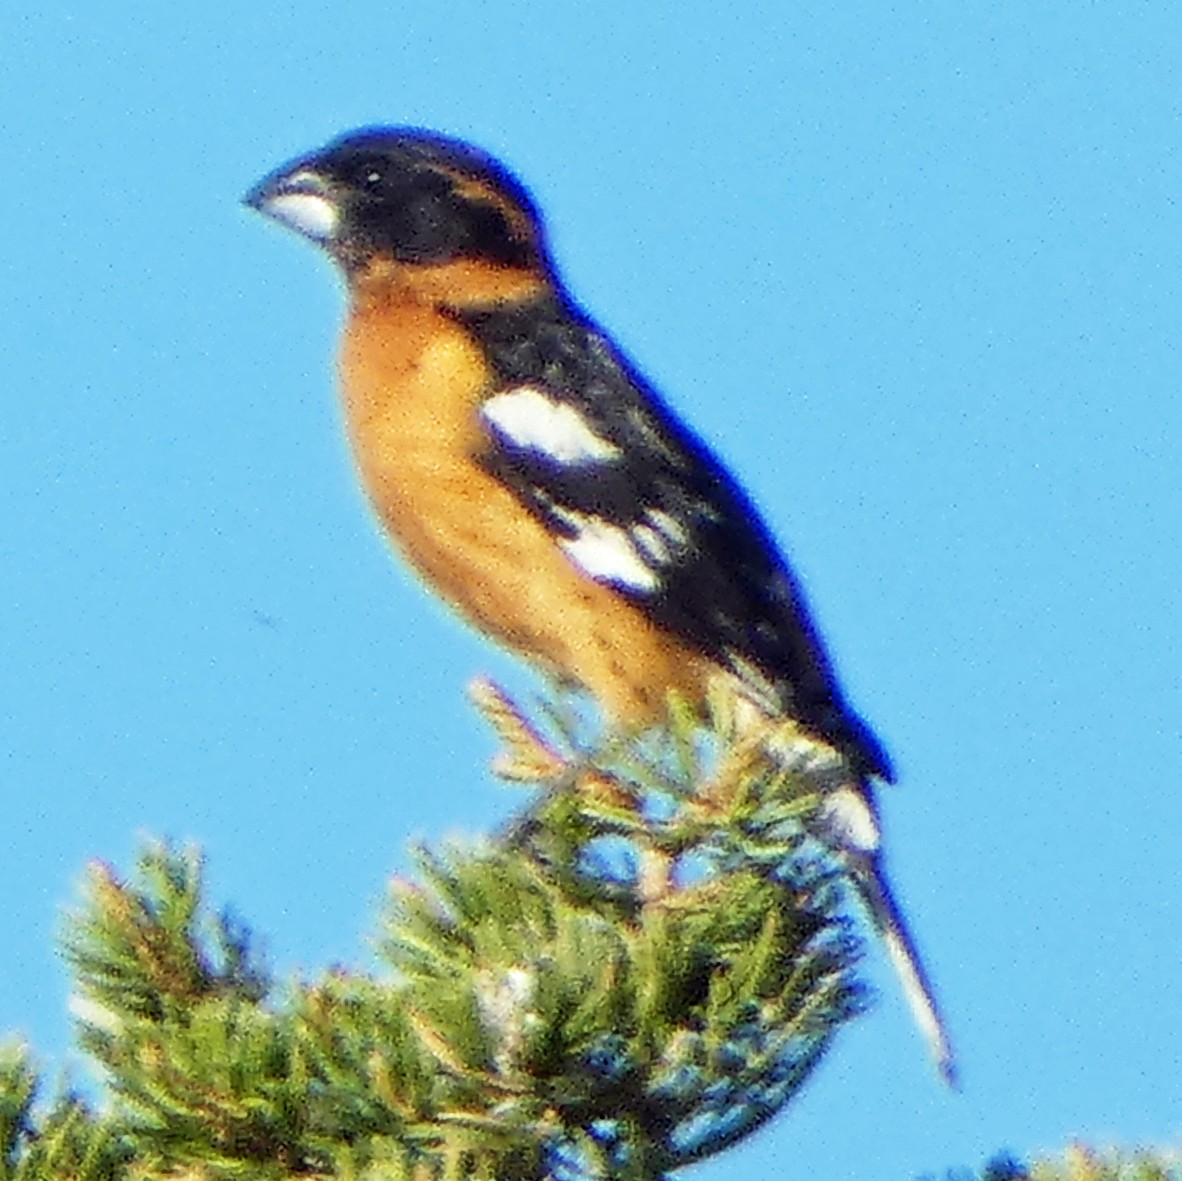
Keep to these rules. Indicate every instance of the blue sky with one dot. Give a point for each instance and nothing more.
(913, 269)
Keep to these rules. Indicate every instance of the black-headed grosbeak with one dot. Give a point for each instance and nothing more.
(537, 482)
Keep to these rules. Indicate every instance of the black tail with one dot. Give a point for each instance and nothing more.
(876, 893)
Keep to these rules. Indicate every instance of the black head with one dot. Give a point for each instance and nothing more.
(404, 194)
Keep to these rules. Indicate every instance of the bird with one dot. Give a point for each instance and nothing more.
(539, 483)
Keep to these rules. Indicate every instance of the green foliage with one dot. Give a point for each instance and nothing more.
(642, 971)
(1081, 1163)
(64, 1139)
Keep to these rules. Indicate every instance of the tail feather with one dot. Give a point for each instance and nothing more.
(848, 824)
(917, 988)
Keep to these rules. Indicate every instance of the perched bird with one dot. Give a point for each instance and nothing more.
(539, 484)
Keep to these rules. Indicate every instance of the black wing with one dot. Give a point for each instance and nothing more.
(686, 544)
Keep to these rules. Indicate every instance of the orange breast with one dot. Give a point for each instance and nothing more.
(412, 382)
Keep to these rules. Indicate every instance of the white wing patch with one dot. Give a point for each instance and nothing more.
(668, 526)
(631, 558)
(653, 544)
(538, 422)
(607, 553)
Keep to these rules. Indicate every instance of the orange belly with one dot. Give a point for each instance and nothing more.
(412, 382)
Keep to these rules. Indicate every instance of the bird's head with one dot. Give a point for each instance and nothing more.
(407, 195)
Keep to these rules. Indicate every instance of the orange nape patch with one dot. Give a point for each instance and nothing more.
(462, 283)
(474, 189)
(412, 381)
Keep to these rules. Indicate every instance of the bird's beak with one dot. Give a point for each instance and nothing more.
(299, 198)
